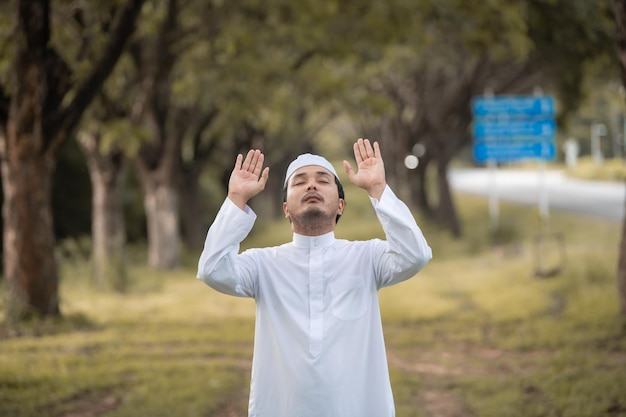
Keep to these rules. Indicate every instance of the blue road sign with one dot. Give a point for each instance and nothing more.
(512, 150)
(505, 128)
(509, 128)
(513, 105)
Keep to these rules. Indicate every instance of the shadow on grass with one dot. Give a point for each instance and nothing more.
(46, 326)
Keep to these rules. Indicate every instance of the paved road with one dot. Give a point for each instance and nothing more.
(598, 199)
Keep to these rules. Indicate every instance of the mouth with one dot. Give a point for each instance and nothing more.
(312, 198)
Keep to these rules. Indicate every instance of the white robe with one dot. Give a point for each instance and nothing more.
(318, 342)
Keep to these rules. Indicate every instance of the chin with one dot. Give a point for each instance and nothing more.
(313, 212)
(313, 215)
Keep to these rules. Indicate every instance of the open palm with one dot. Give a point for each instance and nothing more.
(248, 177)
(370, 174)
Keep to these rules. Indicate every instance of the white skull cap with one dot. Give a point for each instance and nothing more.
(307, 159)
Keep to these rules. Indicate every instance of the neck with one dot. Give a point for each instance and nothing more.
(312, 228)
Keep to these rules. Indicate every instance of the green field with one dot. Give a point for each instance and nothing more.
(476, 333)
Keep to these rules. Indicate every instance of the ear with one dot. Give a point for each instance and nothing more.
(341, 206)
(286, 210)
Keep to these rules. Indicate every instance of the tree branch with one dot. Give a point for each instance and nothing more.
(65, 122)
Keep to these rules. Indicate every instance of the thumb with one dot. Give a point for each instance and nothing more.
(264, 176)
(348, 169)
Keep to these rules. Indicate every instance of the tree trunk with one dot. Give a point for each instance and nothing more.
(419, 185)
(29, 263)
(621, 272)
(107, 173)
(162, 213)
(159, 169)
(619, 8)
(30, 266)
(447, 211)
(194, 228)
(161, 204)
(392, 145)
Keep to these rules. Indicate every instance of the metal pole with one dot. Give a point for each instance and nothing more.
(597, 130)
(544, 204)
(494, 209)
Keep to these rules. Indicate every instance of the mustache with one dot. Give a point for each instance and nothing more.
(312, 194)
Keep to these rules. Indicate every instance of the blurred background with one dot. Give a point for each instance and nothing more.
(120, 121)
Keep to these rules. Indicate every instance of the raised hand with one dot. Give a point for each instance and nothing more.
(248, 178)
(371, 169)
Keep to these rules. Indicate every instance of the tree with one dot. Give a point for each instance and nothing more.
(462, 50)
(107, 163)
(619, 10)
(43, 107)
(108, 139)
(216, 74)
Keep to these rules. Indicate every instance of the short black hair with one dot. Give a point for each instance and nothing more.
(339, 189)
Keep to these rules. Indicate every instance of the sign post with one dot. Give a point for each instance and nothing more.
(510, 128)
(513, 128)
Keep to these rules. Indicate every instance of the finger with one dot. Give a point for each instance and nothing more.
(377, 153)
(259, 158)
(368, 148)
(238, 162)
(246, 163)
(359, 151)
(254, 160)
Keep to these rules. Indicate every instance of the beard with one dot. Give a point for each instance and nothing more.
(313, 219)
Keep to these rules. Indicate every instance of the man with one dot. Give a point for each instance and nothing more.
(318, 342)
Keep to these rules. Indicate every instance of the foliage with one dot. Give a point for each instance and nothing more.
(289, 69)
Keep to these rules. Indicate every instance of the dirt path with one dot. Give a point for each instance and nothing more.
(90, 405)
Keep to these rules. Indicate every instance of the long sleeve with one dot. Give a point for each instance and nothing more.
(219, 265)
(406, 251)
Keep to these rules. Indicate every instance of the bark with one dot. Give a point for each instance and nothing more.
(36, 124)
(621, 271)
(158, 165)
(420, 188)
(619, 8)
(162, 212)
(107, 173)
(447, 210)
(159, 162)
(194, 228)
(395, 147)
(29, 263)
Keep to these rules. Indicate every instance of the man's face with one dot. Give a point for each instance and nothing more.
(312, 198)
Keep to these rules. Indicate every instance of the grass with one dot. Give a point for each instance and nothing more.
(475, 334)
(610, 170)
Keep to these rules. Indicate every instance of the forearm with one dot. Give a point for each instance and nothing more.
(217, 266)
(407, 249)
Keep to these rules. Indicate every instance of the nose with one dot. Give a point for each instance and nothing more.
(311, 185)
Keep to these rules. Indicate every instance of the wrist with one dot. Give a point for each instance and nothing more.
(376, 191)
(238, 200)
